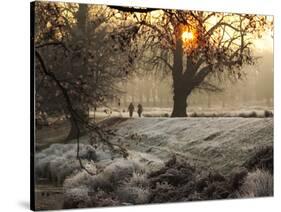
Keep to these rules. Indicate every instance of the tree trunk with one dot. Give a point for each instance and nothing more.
(73, 129)
(180, 94)
(179, 108)
(79, 36)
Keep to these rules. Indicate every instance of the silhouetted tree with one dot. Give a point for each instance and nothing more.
(86, 51)
(202, 46)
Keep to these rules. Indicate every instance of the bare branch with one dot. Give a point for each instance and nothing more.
(157, 58)
(207, 86)
(133, 9)
(53, 43)
(76, 117)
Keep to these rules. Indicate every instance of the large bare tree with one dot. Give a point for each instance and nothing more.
(201, 46)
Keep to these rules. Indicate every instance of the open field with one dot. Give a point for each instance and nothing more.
(216, 145)
(220, 143)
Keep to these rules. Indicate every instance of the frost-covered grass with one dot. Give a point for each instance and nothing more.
(77, 197)
(207, 151)
(123, 178)
(114, 181)
(59, 161)
(257, 184)
(221, 143)
(175, 182)
(133, 194)
(115, 172)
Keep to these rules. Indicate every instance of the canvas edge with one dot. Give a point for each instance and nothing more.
(32, 99)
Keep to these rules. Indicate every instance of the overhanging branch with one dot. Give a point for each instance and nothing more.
(53, 43)
(76, 117)
(133, 9)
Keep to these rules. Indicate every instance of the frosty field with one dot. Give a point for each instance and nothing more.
(222, 143)
(160, 150)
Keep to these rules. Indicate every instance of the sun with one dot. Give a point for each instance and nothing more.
(187, 36)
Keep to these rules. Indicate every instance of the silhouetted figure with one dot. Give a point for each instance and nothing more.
(131, 109)
(119, 109)
(139, 109)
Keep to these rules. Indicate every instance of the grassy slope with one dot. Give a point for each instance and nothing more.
(219, 143)
(214, 143)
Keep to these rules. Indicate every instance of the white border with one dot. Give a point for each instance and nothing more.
(14, 111)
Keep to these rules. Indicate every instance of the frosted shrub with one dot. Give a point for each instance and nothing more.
(77, 198)
(113, 175)
(121, 181)
(100, 198)
(133, 194)
(257, 184)
(59, 161)
(134, 190)
(139, 180)
(78, 179)
(107, 179)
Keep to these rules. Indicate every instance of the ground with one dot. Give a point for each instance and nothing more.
(221, 144)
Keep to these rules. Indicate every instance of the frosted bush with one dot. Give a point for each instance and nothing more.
(257, 184)
(139, 180)
(78, 179)
(93, 199)
(77, 198)
(149, 161)
(100, 198)
(114, 174)
(64, 169)
(59, 161)
(134, 190)
(133, 194)
(108, 178)
(121, 169)
(122, 181)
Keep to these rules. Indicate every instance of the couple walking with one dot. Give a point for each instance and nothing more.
(131, 109)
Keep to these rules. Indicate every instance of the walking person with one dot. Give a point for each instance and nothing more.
(131, 109)
(140, 109)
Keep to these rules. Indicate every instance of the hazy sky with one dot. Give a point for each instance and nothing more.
(265, 43)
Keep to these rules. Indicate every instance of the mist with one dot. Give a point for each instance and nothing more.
(252, 90)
